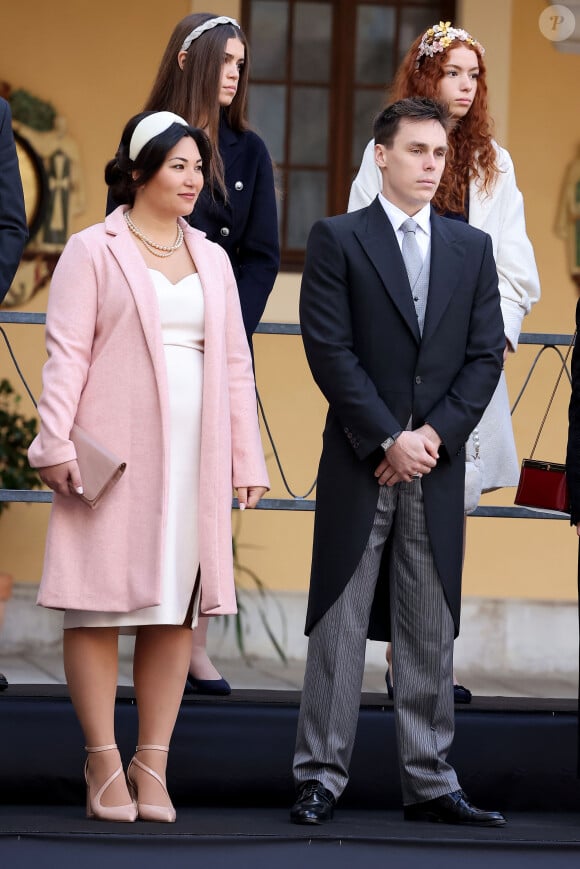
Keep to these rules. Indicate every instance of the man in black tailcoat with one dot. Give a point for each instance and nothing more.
(403, 333)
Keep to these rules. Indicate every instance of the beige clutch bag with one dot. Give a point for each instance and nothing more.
(99, 468)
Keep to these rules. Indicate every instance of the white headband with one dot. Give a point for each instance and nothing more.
(150, 127)
(207, 25)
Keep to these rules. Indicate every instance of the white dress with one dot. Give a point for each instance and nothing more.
(181, 311)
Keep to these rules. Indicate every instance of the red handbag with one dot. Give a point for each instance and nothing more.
(542, 485)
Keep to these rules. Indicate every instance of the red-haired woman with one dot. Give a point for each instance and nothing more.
(479, 186)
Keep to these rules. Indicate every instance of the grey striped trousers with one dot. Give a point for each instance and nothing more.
(422, 648)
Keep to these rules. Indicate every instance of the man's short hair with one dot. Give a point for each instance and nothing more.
(411, 109)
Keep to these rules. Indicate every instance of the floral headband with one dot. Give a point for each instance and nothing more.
(439, 38)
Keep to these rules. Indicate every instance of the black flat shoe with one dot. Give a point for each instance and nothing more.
(3, 682)
(461, 694)
(314, 805)
(216, 687)
(389, 684)
(453, 808)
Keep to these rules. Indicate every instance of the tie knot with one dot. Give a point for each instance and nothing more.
(409, 225)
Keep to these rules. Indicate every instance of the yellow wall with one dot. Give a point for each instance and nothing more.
(490, 23)
(95, 62)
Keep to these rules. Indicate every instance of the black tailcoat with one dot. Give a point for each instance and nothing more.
(366, 354)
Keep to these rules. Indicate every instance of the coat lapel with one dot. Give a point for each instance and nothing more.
(228, 140)
(207, 268)
(381, 246)
(446, 258)
(139, 281)
(131, 262)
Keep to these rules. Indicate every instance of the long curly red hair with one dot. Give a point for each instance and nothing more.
(471, 152)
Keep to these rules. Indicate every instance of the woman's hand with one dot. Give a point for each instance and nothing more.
(248, 496)
(63, 479)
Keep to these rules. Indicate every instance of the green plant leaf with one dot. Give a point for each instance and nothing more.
(16, 433)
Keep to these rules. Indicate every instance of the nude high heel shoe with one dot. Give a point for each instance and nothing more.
(165, 814)
(127, 813)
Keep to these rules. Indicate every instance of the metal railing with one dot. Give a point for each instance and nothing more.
(543, 340)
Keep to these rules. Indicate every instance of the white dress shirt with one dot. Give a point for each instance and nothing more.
(398, 217)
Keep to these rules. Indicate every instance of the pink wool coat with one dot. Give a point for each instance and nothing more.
(106, 371)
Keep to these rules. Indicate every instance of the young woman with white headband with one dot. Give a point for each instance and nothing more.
(148, 354)
(478, 186)
(203, 76)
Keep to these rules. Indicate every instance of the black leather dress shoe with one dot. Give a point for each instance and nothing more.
(453, 808)
(315, 804)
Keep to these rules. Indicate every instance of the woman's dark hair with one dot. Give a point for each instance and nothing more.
(193, 92)
(120, 171)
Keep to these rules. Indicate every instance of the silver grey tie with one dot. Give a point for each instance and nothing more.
(411, 253)
(417, 269)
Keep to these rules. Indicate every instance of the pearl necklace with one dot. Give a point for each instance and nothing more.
(160, 250)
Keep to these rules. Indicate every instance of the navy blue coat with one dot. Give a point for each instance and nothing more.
(573, 459)
(247, 225)
(363, 345)
(573, 451)
(13, 225)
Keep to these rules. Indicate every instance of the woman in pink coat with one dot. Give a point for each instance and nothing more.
(147, 353)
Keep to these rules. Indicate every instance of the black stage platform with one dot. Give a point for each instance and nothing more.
(230, 778)
(256, 838)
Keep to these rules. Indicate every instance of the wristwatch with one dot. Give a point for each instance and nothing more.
(389, 442)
